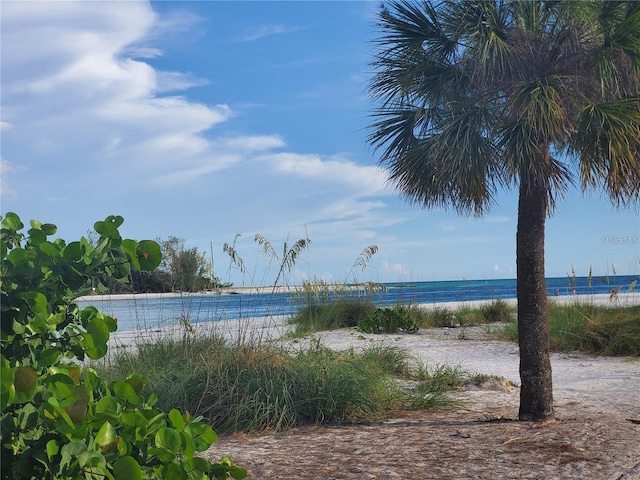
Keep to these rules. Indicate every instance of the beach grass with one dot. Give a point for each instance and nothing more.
(342, 313)
(361, 313)
(602, 330)
(258, 386)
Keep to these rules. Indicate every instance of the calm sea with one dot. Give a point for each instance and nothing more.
(148, 312)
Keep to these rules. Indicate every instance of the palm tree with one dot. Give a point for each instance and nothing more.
(477, 96)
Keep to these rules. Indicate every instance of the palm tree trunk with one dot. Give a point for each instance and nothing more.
(536, 391)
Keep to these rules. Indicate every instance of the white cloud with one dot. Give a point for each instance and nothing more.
(395, 271)
(254, 143)
(496, 219)
(6, 169)
(93, 128)
(265, 31)
(366, 179)
(174, 81)
(76, 88)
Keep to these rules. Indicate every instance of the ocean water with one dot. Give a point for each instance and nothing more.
(150, 312)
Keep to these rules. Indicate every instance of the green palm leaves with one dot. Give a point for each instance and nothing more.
(475, 95)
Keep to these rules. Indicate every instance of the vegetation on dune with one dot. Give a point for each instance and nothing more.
(255, 386)
(592, 329)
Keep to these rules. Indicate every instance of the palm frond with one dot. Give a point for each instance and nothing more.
(608, 142)
(480, 94)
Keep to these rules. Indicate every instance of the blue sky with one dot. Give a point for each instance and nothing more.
(204, 120)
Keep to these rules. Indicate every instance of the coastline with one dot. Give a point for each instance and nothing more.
(600, 299)
(272, 327)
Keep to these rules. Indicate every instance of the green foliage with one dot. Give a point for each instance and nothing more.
(590, 328)
(496, 311)
(389, 320)
(251, 386)
(184, 269)
(60, 420)
(441, 317)
(342, 313)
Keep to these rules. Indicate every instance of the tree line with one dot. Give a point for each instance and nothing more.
(183, 269)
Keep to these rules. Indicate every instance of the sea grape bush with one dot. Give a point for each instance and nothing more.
(59, 418)
(389, 320)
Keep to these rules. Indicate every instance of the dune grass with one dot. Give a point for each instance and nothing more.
(341, 313)
(255, 386)
(361, 313)
(589, 328)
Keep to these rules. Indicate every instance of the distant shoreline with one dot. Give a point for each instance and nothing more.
(600, 299)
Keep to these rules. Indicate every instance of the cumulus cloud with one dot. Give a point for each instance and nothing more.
(83, 112)
(395, 270)
(365, 179)
(78, 86)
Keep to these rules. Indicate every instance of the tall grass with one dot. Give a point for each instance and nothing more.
(239, 386)
(590, 328)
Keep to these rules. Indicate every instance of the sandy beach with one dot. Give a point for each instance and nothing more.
(595, 435)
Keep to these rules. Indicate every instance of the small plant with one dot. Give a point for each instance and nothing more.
(389, 320)
(59, 419)
(342, 313)
(496, 311)
(441, 317)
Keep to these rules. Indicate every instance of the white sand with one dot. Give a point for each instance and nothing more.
(606, 383)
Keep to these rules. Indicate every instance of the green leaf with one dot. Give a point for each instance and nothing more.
(163, 454)
(168, 438)
(73, 252)
(52, 449)
(25, 381)
(91, 458)
(177, 420)
(124, 390)
(107, 405)
(11, 221)
(188, 445)
(173, 471)
(95, 339)
(149, 255)
(127, 468)
(48, 357)
(7, 376)
(49, 249)
(202, 434)
(137, 382)
(70, 451)
(134, 420)
(106, 437)
(130, 247)
(17, 256)
(48, 228)
(109, 228)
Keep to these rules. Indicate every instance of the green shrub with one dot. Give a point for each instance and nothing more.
(59, 419)
(389, 320)
(497, 311)
(441, 317)
(339, 313)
